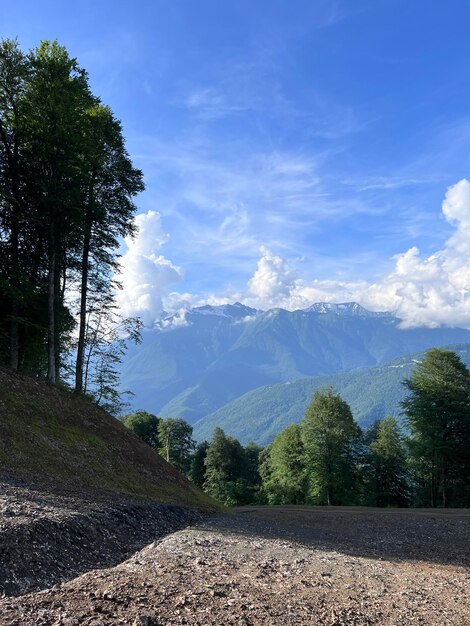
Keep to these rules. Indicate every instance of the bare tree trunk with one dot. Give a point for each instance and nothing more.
(14, 259)
(51, 334)
(13, 157)
(83, 320)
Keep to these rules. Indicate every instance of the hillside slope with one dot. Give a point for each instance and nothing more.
(45, 431)
(260, 414)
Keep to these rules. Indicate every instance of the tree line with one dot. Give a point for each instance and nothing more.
(67, 188)
(328, 459)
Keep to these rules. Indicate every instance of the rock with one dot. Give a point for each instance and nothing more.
(144, 620)
(109, 595)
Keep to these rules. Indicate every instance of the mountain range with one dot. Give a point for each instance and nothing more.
(193, 364)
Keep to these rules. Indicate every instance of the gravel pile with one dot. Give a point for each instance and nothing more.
(48, 537)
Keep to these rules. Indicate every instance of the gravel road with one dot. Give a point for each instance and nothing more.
(276, 566)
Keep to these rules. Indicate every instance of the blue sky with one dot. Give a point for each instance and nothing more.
(297, 144)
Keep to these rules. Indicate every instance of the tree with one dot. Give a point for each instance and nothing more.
(109, 183)
(253, 477)
(284, 472)
(226, 470)
(387, 464)
(13, 210)
(176, 443)
(331, 441)
(265, 472)
(197, 468)
(144, 425)
(57, 98)
(66, 198)
(438, 415)
(107, 335)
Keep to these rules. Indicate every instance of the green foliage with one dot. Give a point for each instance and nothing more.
(262, 413)
(66, 198)
(387, 475)
(176, 443)
(197, 468)
(438, 415)
(227, 470)
(283, 468)
(265, 473)
(144, 425)
(106, 339)
(252, 454)
(328, 460)
(331, 441)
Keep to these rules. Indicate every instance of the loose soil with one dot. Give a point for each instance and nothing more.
(270, 566)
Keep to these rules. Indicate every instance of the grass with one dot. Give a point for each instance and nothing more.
(48, 431)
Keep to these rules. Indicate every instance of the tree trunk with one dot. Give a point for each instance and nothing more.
(14, 254)
(57, 314)
(83, 321)
(445, 503)
(14, 335)
(51, 282)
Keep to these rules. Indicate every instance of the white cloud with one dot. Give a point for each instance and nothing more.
(146, 275)
(421, 291)
(433, 290)
(274, 281)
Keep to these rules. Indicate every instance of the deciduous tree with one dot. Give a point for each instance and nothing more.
(144, 425)
(176, 442)
(331, 440)
(388, 483)
(438, 415)
(284, 474)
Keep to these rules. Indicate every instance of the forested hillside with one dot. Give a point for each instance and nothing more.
(260, 414)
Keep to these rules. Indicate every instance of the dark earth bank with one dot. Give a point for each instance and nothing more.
(49, 534)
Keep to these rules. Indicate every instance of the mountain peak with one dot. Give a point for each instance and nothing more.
(237, 310)
(349, 309)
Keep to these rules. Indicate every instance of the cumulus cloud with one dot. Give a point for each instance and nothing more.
(433, 290)
(421, 291)
(273, 281)
(145, 274)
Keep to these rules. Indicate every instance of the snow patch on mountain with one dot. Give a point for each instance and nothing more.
(352, 309)
(233, 311)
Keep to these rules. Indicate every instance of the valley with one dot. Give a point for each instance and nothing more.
(234, 314)
(253, 372)
(97, 529)
(372, 393)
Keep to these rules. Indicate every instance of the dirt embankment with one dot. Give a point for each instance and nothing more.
(51, 432)
(276, 566)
